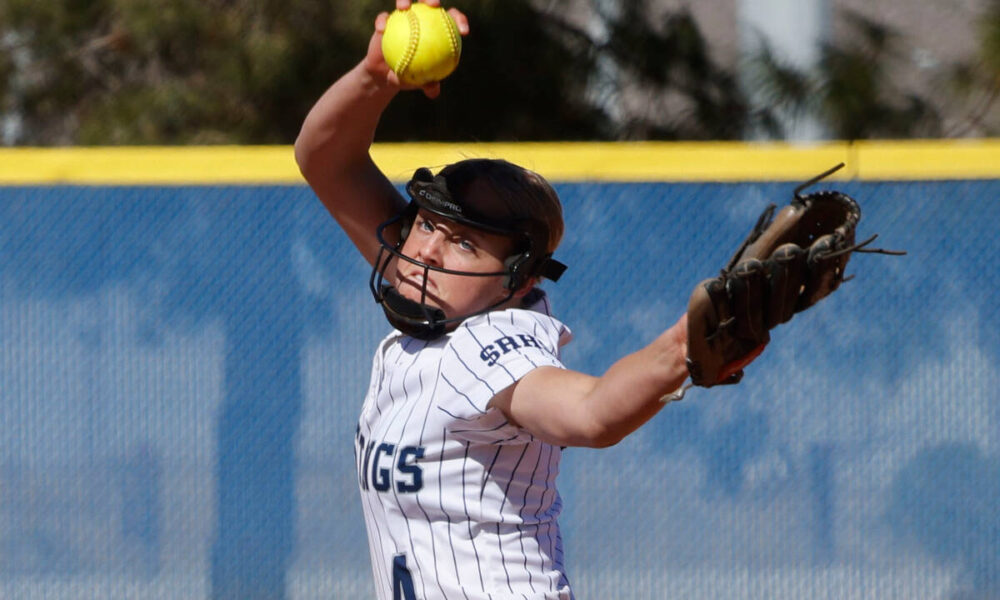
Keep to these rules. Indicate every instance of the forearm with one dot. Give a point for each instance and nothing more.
(631, 391)
(569, 408)
(338, 131)
(333, 145)
(332, 152)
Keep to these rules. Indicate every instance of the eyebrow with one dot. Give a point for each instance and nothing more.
(455, 227)
(476, 235)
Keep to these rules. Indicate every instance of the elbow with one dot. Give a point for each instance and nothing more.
(606, 441)
(322, 164)
(591, 435)
(302, 156)
(603, 437)
(596, 429)
(312, 156)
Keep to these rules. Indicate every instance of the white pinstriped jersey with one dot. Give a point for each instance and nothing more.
(459, 503)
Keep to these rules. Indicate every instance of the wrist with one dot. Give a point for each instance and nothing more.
(374, 81)
(672, 357)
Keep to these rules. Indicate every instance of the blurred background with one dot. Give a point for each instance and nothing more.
(181, 366)
(246, 71)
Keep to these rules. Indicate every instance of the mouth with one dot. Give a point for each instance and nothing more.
(415, 280)
(412, 286)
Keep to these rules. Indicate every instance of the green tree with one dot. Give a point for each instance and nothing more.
(531, 74)
(183, 71)
(246, 72)
(685, 93)
(523, 76)
(851, 91)
(977, 80)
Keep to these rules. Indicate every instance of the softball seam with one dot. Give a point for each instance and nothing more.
(449, 26)
(411, 47)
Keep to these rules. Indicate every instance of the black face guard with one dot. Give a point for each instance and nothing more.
(416, 319)
(425, 322)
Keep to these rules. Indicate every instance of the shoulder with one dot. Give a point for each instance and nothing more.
(487, 354)
(500, 332)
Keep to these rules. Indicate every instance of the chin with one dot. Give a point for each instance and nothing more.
(409, 293)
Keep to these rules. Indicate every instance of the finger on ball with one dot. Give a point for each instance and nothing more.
(460, 20)
(432, 90)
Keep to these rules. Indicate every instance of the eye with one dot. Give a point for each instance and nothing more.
(424, 224)
(466, 246)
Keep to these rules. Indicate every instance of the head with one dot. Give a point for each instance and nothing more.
(476, 237)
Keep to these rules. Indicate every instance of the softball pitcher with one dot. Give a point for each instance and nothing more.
(469, 404)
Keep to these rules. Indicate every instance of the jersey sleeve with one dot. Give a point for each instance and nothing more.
(485, 356)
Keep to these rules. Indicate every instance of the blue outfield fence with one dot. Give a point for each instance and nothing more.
(181, 370)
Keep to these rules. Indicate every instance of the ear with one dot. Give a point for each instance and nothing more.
(529, 285)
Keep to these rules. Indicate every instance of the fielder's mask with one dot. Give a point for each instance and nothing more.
(482, 211)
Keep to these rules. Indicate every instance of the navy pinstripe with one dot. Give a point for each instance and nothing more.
(460, 504)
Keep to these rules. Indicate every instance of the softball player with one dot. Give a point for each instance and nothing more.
(469, 405)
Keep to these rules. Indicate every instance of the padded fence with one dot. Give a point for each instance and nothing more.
(181, 370)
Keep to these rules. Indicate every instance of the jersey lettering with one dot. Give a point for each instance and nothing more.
(359, 447)
(402, 581)
(380, 466)
(507, 343)
(381, 477)
(500, 346)
(364, 463)
(405, 467)
(528, 341)
(489, 355)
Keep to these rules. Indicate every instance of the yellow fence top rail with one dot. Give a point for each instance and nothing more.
(557, 161)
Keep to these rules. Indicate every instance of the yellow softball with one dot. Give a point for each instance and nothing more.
(421, 44)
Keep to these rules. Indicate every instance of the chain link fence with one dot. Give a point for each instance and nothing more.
(181, 370)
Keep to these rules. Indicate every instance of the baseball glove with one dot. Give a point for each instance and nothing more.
(787, 264)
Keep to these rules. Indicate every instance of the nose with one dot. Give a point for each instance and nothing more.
(429, 248)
